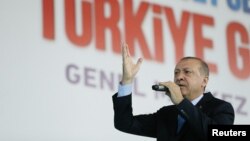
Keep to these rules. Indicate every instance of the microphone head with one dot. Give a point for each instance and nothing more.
(155, 87)
(160, 88)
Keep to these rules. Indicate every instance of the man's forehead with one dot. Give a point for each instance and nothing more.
(187, 64)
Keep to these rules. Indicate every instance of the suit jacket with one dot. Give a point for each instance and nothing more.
(163, 123)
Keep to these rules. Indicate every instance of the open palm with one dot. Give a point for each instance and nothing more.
(129, 67)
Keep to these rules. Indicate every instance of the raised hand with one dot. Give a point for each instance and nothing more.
(129, 68)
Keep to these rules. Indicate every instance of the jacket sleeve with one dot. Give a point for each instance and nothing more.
(124, 120)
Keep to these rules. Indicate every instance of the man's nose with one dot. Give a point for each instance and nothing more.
(179, 76)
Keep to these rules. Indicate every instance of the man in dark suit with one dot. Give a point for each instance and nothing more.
(192, 110)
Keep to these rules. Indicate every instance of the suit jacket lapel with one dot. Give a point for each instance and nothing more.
(207, 97)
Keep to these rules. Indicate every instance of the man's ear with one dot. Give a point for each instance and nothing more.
(205, 81)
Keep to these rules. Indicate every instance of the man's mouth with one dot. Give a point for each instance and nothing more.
(181, 85)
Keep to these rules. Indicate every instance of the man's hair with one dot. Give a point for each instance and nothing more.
(204, 69)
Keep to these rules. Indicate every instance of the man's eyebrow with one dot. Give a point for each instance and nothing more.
(176, 69)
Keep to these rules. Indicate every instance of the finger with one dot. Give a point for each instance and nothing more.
(138, 64)
(127, 49)
(123, 50)
(164, 83)
(127, 54)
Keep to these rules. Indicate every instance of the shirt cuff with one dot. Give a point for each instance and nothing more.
(124, 90)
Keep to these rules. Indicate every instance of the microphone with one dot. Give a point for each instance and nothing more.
(160, 88)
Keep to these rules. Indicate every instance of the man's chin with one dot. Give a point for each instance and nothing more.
(183, 91)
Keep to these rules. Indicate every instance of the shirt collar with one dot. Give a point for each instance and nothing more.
(196, 100)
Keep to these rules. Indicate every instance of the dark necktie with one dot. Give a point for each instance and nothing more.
(181, 121)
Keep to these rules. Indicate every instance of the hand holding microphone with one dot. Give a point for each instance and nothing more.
(171, 89)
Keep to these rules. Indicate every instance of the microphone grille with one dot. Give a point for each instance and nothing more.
(155, 87)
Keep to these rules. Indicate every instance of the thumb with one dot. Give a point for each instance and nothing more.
(138, 64)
